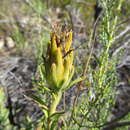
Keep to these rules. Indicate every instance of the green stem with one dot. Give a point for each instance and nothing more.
(55, 101)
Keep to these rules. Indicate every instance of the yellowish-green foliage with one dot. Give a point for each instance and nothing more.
(4, 121)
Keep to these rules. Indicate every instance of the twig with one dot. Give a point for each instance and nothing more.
(121, 47)
(20, 83)
(115, 125)
(7, 21)
(118, 118)
(124, 21)
(122, 33)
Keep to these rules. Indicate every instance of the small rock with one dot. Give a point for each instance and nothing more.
(2, 42)
(9, 42)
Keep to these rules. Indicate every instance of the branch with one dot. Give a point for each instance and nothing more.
(122, 33)
(114, 121)
(115, 125)
(125, 45)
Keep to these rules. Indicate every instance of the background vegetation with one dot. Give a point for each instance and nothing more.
(100, 29)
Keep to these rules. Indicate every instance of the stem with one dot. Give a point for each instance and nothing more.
(55, 101)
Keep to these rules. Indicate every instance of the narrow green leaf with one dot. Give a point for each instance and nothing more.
(75, 82)
(57, 114)
(39, 101)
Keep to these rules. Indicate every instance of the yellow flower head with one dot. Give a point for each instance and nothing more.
(59, 60)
